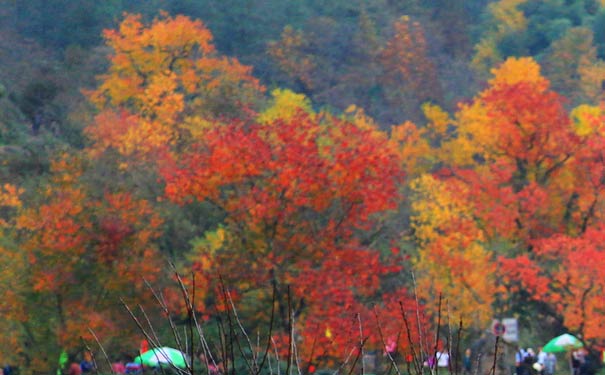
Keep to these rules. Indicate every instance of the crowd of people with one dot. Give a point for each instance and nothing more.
(127, 365)
(528, 362)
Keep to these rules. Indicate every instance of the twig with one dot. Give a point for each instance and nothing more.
(394, 364)
(346, 361)
(359, 351)
(190, 311)
(295, 351)
(232, 336)
(253, 369)
(155, 340)
(276, 355)
(138, 323)
(457, 357)
(164, 307)
(493, 369)
(437, 329)
(100, 346)
(416, 357)
(421, 338)
(290, 332)
(361, 341)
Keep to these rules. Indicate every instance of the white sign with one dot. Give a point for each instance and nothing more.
(511, 330)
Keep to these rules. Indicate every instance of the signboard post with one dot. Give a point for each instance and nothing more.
(511, 330)
(507, 328)
(498, 329)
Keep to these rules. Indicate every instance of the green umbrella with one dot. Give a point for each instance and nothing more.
(163, 356)
(563, 343)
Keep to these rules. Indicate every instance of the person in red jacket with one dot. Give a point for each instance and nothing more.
(75, 369)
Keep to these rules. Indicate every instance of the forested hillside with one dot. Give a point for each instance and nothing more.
(331, 168)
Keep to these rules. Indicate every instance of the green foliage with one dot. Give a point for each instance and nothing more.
(564, 59)
(548, 20)
(599, 33)
(36, 95)
(528, 28)
(184, 225)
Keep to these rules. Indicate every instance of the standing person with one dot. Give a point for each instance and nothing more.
(443, 360)
(530, 360)
(134, 368)
(118, 367)
(63, 359)
(577, 358)
(75, 369)
(541, 360)
(214, 368)
(550, 364)
(520, 368)
(144, 346)
(467, 363)
(588, 366)
(430, 363)
(86, 365)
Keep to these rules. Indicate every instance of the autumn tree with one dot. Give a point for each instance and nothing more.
(570, 56)
(561, 271)
(386, 69)
(164, 87)
(292, 55)
(12, 278)
(164, 82)
(575, 287)
(452, 261)
(408, 75)
(506, 181)
(83, 254)
(304, 196)
(520, 188)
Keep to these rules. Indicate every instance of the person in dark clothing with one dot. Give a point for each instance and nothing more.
(587, 367)
(467, 363)
(575, 365)
(520, 366)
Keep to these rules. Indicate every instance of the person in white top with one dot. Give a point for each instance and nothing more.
(541, 360)
(443, 360)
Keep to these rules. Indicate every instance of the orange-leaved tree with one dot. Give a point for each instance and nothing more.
(85, 250)
(12, 278)
(562, 269)
(505, 180)
(303, 198)
(570, 279)
(512, 146)
(408, 76)
(563, 273)
(164, 83)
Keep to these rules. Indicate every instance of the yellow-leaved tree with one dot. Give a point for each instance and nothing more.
(165, 81)
(452, 260)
